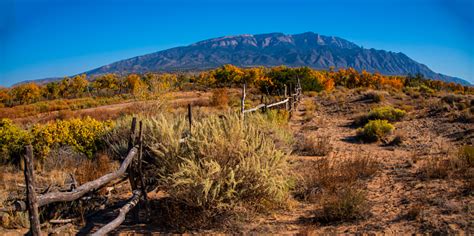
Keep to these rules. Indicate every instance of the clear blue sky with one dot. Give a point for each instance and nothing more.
(55, 38)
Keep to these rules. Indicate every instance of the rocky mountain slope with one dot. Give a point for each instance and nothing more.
(306, 49)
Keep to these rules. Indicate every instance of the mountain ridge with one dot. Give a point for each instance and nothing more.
(273, 49)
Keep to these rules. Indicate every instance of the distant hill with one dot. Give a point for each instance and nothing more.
(274, 49)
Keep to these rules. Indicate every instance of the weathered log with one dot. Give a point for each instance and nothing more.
(89, 186)
(35, 227)
(121, 217)
(258, 107)
(277, 103)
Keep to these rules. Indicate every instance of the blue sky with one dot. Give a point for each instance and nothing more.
(55, 38)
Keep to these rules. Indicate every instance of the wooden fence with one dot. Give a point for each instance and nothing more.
(130, 167)
(290, 101)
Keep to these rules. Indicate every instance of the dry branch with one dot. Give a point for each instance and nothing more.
(277, 103)
(89, 186)
(255, 108)
(121, 217)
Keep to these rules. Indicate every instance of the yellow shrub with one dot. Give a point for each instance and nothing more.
(82, 134)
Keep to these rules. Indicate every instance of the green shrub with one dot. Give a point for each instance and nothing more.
(386, 113)
(380, 113)
(375, 130)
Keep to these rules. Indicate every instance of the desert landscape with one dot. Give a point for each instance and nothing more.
(236, 117)
(351, 152)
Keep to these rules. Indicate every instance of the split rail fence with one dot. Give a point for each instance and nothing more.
(130, 167)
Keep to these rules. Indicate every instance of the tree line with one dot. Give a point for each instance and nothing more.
(268, 80)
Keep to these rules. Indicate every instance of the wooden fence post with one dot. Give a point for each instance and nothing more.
(132, 169)
(190, 118)
(286, 96)
(35, 227)
(140, 171)
(242, 103)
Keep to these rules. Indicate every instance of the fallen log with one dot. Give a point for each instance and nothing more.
(81, 190)
(89, 186)
(121, 217)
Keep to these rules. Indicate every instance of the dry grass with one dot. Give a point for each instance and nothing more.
(336, 186)
(329, 176)
(374, 96)
(314, 145)
(220, 98)
(458, 165)
(345, 204)
(92, 169)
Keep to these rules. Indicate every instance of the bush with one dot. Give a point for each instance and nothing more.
(12, 141)
(375, 130)
(223, 165)
(386, 113)
(381, 113)
(84, 135)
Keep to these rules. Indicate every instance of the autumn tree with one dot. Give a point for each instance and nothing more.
(136, 86)
(4, 96)
(78, 85)
(51, 90)
(26, 93)
(107, 85)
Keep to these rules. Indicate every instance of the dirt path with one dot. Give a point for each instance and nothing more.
(392, 192)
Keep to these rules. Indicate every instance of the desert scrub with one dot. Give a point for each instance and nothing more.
(12, 140)
(345, 204)
(375, 130)
(84, 135)
(388, 113)
(274, 123)
(374, 96)
(224, 165)
(313, 145)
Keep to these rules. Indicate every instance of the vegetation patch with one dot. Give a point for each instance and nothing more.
(375, 130)
(224, 165)
(388, 113)
(313, 145)
(84, 135)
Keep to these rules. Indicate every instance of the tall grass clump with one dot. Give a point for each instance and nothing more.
(223, 165)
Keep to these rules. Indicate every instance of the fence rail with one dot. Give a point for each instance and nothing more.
(290, 102)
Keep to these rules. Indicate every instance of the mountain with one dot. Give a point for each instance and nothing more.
(274, 49)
